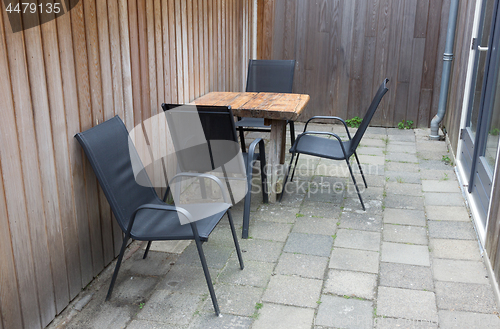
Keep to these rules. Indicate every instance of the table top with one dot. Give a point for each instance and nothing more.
(274, 106)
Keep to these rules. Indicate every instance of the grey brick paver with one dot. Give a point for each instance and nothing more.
(405, 303)
(291, 290)
(405, 254)
(340, 312)
(275, 316)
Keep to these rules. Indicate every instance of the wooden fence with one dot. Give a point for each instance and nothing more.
(102, 58)
(345, 48)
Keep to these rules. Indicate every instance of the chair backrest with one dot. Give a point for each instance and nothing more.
(111, 154)
(204, 137)
(274, 76)
(369, 115)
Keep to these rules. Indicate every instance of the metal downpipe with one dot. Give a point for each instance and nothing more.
(445, 78)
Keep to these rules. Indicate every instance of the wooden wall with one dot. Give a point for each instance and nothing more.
(345, 48)
(102, 58)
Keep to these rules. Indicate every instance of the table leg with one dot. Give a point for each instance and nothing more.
(275, 156)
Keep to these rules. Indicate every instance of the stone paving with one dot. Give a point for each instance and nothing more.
(316, 260)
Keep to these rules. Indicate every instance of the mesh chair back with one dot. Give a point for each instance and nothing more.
(274, 76)
(204, 136)
(107, 148)
(368, 116)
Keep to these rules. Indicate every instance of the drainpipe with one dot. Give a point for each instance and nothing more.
(445, 78)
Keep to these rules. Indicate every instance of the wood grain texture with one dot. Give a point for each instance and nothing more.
(103, 58)
(336, 42)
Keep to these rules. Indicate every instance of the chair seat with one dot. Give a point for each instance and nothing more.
(152, 224)
(321, 147)
(251, 122)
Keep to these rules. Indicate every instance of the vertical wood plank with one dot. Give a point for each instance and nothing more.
(135, 61)
(11, 164)
(415, 80)
(421, 16)
(10, 304)
(128, 101)
(83, 88)
(95, 194)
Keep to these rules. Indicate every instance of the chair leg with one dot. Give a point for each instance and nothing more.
(205, 269)
(294, 167)
(117, 267)
(355, 184)
(263, 175)
(147, 250)
(235, 238)
(242, 139)
(246, 209)
(360, 170)
(286, 177)
(292, 132)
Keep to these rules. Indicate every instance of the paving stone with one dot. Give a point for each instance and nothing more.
(373, 207)
(445, 175)
(273, 316)
(156, 264)
(291, 290)
(236, 300)
(459, 271)
(269, 231)
(400, 138)
(171, 308)
(391, 323)
(307, 266)
(309, 244)
(404, 217)
(144, 324)
(451, 230)
(369, 169)
(406, 276)
(133, 289)
(261, 250)
(365, 222)
(447, 213)
(355, 239)
(434, 164)
(402, 166)
(371, 159)
(319, 210)
(400, 132)
(368, 150)
(403, 177)
(405, 234)
(404, 189)
(354, 260)
(440, 186)
(275, 213)
(401, 157)
(444, 199)
(372, 193)
(468, 297)
(455, 249)
(172, 246)
(216, 254)
(332, 168)
(402, 147)
(406, 303)
(437, 146)
(372, 142)
(405, 254)
(468, 320)
(187, 279)
(255, 274)
(404, 202)
(340, 312)
(314, 225)
(375, 131)
(227, 321)
(348, 283)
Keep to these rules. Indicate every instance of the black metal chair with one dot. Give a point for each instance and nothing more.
(275, 76)
(138, 210)
(217, 124)
(335, 148)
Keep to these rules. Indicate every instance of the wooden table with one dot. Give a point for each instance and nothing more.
(276, 109)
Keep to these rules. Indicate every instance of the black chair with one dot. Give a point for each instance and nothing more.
(335, 148)
(137, 208)
(217, 124)
(274, 76)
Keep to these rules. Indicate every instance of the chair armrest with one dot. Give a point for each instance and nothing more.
(212, 177)
(158, 207)
(329, 118)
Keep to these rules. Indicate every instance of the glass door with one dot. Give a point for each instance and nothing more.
(481, 134)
